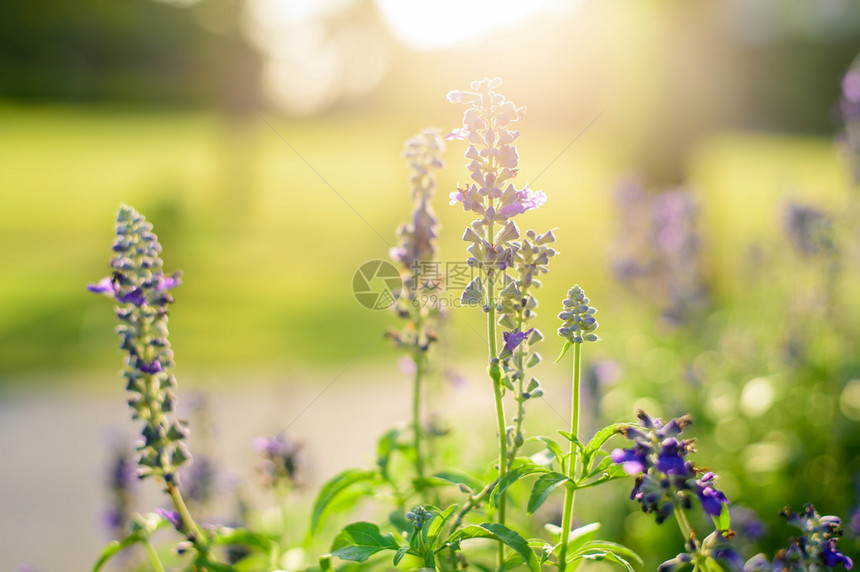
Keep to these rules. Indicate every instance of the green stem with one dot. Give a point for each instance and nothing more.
(496, 376)
(418, 358)
(153, 556)
(570, 490)
(197, 537)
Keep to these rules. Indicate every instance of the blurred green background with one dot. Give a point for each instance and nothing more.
(262, 138)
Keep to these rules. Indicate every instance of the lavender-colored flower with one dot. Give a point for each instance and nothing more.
(515, 338)
(493, 159)
(141, 290)
(170, 516)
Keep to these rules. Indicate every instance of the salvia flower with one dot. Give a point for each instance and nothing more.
(142, 293)
(665, 478)
(577, 316)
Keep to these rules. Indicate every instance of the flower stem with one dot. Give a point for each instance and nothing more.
(420, 367)
(570, 490)
(197, 537)
(496, 376)
(153, 556)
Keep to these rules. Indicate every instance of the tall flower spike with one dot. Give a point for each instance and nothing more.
(492, 156)
(141, 290)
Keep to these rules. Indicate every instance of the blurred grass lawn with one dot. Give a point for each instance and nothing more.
(268, 248)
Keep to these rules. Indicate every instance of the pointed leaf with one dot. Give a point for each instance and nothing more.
(401, 552)
(114, 548)
(458, 478)
(604, 556)
(542, 487)
(437, 523)
(605, 474)
(610, 547)
(551, 445)
(567, 345)
(513, 476)
(360, 540)
(598, 440)
(332, 489)
(386, 445)
(325, 563)
(502, 534)
(723, 522)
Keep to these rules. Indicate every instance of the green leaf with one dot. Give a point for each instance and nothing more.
(325, 563)
(599, 439)
(242, 537)
(567, 345)
(330, 491)
(723, 522)
(610, 547)
(361, 540)
(580, 535)
(607, 471)
(401, 552)
(542, 487)
(605, 556)
(437, 523)
(114, 548)
(513, 476)
(460, 478)
(502, 534)
(551, 445)
(386, 445)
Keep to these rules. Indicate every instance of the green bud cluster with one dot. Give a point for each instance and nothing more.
(578, 317)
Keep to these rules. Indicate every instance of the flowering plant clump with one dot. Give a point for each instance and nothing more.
(435, 505)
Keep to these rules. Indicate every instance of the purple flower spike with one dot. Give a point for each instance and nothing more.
(171, 516)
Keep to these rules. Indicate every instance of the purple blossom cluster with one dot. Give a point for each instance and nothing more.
(665, 478)
(141, 291)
